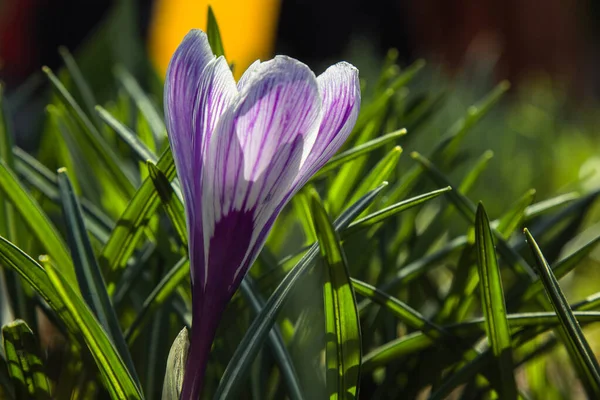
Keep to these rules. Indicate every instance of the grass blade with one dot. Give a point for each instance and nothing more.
(343, 349)
(25, 364)
(275, 342)
(103, 151)
(257, 333)
(562, 267)
(494, 308)
(84, 89)
(390, 211)
(545, 206)
(9, 220)
(140, 150)
(37, 221)
(77, 317)
(42, 179)
(117, 378)
(130, 227)
(380, 172)
(143, 103)
(91, 282)
(513, 219)
(579, 344)
(159, 296)
(214, 35)
(170, 201)
(451, 141)
(358, 151)
(468, 210)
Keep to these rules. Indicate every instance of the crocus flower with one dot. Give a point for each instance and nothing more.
(241, 152)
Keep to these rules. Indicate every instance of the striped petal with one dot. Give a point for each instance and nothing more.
(247, 75)
(254, 157)
(181, 89)
(198, 89)
(340, 93)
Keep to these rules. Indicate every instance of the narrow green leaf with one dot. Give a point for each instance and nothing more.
(117, 378)
(446, 148)
(140, 150)
(302, 210)
(343, 349)
(276, 343)
(452, 139)
(388, 70)
(475, 172)
(143, 103)
(545, 206)
(371, 221)
(515, 216)
(46, 181)
(418, 267)
(402, 311)
(159, 296)
(130, 227)
(257, 333)
(418, 341)
(24, 361)
(82, 86)
(214, 36)
(380, 172)
(37, 222)
(373, 110)
(62, 138)
(467, 209)
(89, 277)
(78, 319)
(562, 268)
(408, 74)
(494, 308)
(569, 324)
(390, 211)
(358, 151)
(462, 203)
(104, 152)
(9, 221)
(7, 389)
(170, 201)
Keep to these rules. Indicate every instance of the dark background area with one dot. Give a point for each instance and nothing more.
(553, 36)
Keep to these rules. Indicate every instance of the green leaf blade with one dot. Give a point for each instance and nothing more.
(214, 34)
(24, 361)
(90, 279)
(580, 348)
(257, 333)
(343, 349)
(492, 294)
(37, 221)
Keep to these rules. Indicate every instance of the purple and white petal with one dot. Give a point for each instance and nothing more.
(254, 157)
(198, 88)
(246, 76)
(181, 89)
(340, 93)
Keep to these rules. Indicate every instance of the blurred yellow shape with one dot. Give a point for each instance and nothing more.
(247, 28)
